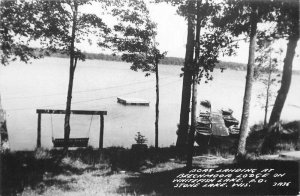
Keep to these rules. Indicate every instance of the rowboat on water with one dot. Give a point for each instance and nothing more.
(226, 111)
(234, 130)
(204, 124)
(230, 122)
(205, 103)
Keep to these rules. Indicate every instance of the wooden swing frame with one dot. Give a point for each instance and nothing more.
(73, 142)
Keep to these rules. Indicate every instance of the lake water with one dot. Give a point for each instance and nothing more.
(43, 84)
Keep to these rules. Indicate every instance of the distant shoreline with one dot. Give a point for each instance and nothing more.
(166, 61)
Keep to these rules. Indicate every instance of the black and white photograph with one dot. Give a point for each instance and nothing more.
(149, 97)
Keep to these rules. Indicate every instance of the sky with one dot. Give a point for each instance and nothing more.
(172, 34)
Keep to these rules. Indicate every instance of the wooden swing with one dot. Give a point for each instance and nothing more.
(73, 142)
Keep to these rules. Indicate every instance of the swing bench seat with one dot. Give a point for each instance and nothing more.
(73, 142)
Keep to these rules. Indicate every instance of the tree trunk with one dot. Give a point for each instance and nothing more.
(268, 92)
(241, 151)
(156, 106)
(285, 81)
(267, 105)
(73, 62)
(191, 138)
(298, 142)
(186, 85)
(270, 140)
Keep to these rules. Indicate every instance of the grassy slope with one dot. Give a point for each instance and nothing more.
(37, 174)
(117, 170)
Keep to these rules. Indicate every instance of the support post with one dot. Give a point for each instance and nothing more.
(101, 131)
(38, 142)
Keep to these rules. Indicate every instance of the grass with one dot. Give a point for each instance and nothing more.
(120, 171)
(93, 182)
(100, 172)
(286, 137)
(35, 173)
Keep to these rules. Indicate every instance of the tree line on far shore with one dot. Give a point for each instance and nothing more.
(166, 61)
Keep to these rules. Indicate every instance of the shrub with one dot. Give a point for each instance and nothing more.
(140, 139)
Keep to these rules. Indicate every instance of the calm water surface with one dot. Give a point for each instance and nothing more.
(43, 84)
